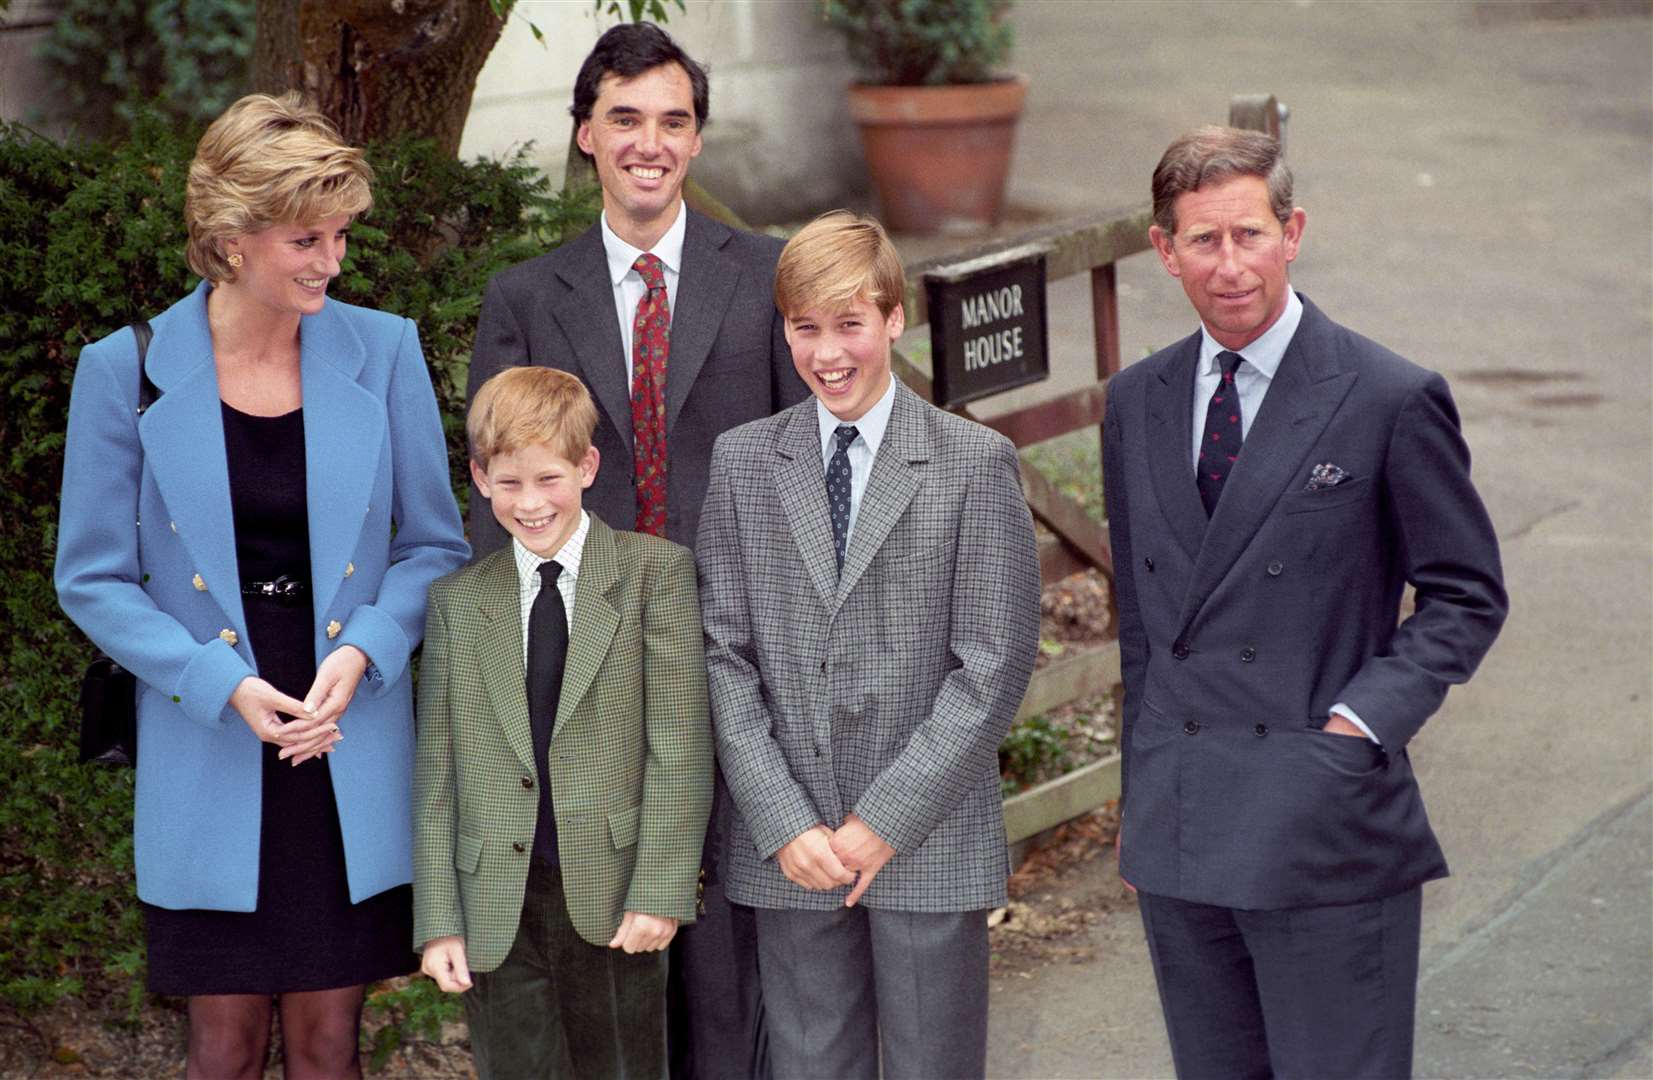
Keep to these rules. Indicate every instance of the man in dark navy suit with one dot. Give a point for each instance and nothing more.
(1274, 482)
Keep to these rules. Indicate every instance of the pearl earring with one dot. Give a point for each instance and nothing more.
(235, 260)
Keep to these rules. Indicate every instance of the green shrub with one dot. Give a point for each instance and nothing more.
(107, 57)
(923, 42)
(91, 237)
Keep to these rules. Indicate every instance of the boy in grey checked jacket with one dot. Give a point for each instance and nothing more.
(870, 591)
(564, 771)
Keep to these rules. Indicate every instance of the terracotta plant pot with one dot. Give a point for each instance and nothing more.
(939, 155)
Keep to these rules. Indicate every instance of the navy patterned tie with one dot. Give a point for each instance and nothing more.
(837, 489)
(1221, 444)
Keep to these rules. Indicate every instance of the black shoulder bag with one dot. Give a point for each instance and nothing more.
(108, 692)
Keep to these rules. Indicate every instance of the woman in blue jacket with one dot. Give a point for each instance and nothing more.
(256, 547)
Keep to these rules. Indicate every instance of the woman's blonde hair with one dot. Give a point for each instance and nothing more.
(836, 259)
(268, 161)
(524, 406)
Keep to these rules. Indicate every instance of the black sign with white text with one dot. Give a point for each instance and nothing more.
(987, 325)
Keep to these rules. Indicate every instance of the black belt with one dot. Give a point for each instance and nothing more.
(283, 589)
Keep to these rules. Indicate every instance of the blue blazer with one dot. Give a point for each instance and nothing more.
(146, 566)
(1238, 635)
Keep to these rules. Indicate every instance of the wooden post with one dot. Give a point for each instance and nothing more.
(1258, 112)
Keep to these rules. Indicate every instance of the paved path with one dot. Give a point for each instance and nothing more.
(1477, 186)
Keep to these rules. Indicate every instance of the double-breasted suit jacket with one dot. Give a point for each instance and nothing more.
(1239, 633)
(886, 690)
(728, 364)
(146, 566)
(630, 754)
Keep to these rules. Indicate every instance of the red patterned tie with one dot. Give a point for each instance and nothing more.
(650, 342)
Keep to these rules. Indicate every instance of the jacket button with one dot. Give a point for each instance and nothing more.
(527, 782)
(823, 667)
(1260, 730)
(1180, 650)
(1192, 727)
(229, 637)
(1149, 563)
(1247, 655)
(349, 568)
(1275, 567)
(516, 846)
(200, 585)
(333, 629)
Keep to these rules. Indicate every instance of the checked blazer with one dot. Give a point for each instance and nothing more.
(630, 755)
(884, 691)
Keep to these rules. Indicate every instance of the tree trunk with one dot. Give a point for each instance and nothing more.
(379, 68)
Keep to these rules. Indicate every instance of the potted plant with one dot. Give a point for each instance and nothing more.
(937, 120)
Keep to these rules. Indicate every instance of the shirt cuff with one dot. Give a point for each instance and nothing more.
(1349, 714)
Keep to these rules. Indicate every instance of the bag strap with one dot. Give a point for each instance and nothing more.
(147, 390)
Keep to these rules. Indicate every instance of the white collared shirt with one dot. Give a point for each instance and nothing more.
(528, 576)
(869, 436)
(629, 289)
(1251, 379)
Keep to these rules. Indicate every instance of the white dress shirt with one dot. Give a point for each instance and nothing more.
(1260, 360)
(869, 435)
(629, 289)
(528, 576)
(1251, 379)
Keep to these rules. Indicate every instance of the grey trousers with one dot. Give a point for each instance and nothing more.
(842, 988)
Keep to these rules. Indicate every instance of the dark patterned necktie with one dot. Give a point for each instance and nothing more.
(837, 490)
(547, 651)
(650, 342)
(1221, 444)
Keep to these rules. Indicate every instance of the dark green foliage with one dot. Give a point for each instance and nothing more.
(92, 238)
(923, 42)
(107, 57)
(1034, 751)
(414, 1010)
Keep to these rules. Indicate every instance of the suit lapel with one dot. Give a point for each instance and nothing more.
(499, 651)
(595, 619)
(800, 481)
(183, 443)
(584, 309)
(705, 284)
(1302, 398)
(890, 488)
(344, 428)
(1170, 412)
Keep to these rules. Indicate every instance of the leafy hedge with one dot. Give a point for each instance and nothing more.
(91, 237)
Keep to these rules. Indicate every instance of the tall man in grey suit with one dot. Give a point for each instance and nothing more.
(870, 590)
(668, 317)
(1274, 482)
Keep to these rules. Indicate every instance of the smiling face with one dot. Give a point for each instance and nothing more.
(642, 135)
(287, 267)
(1231, 253)
(535, 493)
(844, 356)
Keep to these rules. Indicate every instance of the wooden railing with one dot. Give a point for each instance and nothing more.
(1076, 542)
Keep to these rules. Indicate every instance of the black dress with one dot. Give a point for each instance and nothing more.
(305, 933)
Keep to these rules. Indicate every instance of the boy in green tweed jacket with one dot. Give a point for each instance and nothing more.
(564, 771)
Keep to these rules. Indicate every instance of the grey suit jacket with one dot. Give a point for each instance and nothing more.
(1238, 635)
(728, 363)
(885, 691)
